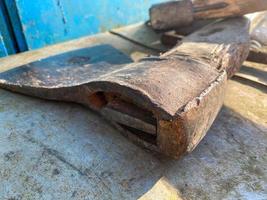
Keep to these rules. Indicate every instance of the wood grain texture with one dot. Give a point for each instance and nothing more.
(226, 8)
(171, 14)
(175, 14)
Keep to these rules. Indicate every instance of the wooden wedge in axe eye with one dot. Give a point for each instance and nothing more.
(165, 103)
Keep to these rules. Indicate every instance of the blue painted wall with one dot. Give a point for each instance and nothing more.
(15, 24)
(3, 49)
(37, 23)
(7, 41)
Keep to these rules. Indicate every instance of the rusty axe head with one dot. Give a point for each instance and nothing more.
(166, 103)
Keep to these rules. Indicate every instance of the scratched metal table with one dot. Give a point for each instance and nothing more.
(55, 150)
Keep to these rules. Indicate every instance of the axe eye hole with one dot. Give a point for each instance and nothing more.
(129, 116)
(147, 137)
(97, 100)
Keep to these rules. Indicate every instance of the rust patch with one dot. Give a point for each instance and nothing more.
(97, 100)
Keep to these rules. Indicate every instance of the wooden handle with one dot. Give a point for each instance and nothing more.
(171, 14)
(209, 9)
(174, 14)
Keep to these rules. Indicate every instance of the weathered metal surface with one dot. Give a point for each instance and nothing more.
(177, 88)
(62, 151)
(53, 150)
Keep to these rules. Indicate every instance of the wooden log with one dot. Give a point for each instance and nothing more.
(258, 30)
(258, 34)
(258, 55)
(179, 92)
(174, 14)
(211, 9)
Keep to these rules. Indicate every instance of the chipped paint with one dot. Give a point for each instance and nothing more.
(53, 21)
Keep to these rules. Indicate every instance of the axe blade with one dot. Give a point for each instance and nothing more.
(165, 103)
